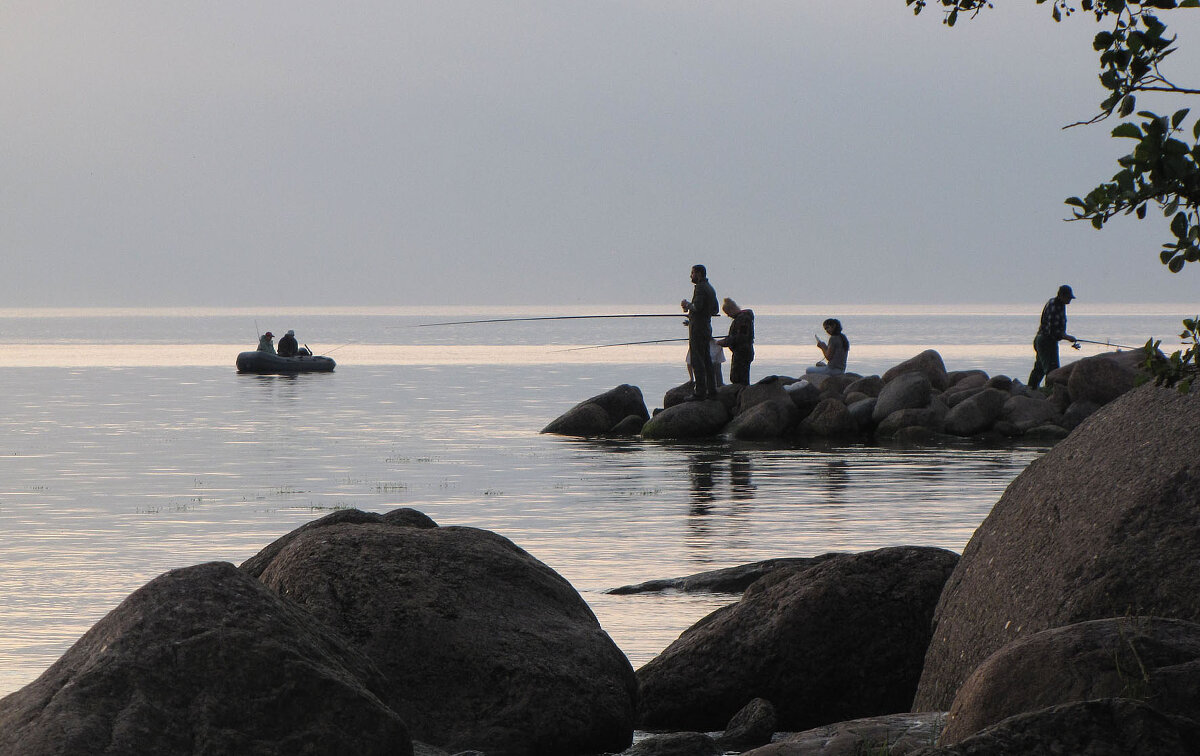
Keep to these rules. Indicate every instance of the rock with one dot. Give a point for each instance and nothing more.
(953, 398)
(871, 386)
(913, 435)
(963, 379)
(1027, 412)
(596, 416)
(1106, 727)
(757, 393)
(204, 659)
(1102, 378)
(764, 421)
(482, 645)
(930, 418)
(905, 391)
(829, 418)
(728, 580)
(835, 385)
(1001, 382)
(630, 426)
(893, 734)
(1047, 432)
(403, 516)
(677, 395)
(1077, 413)
(861, 413)
(1106, 523)
(688, 420)
(1146, 658)
(675, 744)
(976, 414)
(840, 640)
(928, 363)
(752, 726)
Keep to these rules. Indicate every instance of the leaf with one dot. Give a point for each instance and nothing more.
(1097, 222)
(1104, 40)
(1127, 103)
(1128, 130)
(1074, 201)
(1175, 265)
(1141, 211)
(1166, 255)
(1178, 118)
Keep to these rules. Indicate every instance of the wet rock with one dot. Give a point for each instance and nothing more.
(1106, 523)
(1106, 727)
(977, 413)
(763, 421)
(597, 416)
(829, 418)
(840, 640)
(928, 363)
(204, 659)
(482, 645)
(1102, 378)
(870, 385)
(892, 734)
(1026, 412)
(752, 726)
(1146, 658)
(905, 391)
(727, 580)
(758, 393)
(862, 412)
(675, 744)
(930, 418)
(630, 426)
(677, 395)
(1001, 382)
(700, 419)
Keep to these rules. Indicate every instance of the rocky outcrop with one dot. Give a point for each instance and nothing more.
(727, 580)
(1147, 658)
(481, 645)
(904, 391)
(928, 363)
(1098, 527)
(205, 659)
(840, 640)
(1089, 728)
(892, 734)
(701, 419)
(600, 414)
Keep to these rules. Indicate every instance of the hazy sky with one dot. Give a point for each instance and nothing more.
(443, 152)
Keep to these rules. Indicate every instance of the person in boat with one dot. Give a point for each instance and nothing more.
(266, 343)
(1051, 329)
(835, 351)
(287, 345)
(700, 311)
(740, 341)
(718, 358)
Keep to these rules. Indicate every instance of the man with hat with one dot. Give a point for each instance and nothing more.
(1053, 329)
(287, 345)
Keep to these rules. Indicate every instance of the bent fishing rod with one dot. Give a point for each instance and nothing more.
(540, 317)
(623, 343)
(1106, 343)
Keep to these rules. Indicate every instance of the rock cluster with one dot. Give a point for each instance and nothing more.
(916, 400)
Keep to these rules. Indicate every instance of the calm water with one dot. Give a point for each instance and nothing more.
(125, 453)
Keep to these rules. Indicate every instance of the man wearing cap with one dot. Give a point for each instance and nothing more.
(266, 343)
(1053, 329)
(288, 345)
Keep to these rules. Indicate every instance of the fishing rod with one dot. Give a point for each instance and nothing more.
(1107, 344)
(623, 343)
(542, 317)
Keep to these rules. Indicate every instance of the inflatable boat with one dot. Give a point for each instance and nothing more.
(265, 363)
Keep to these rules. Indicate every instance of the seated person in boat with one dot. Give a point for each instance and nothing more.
(266, 343)
(287, 345)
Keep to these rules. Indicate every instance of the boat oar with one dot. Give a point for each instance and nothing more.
(1107, 344)
(623, 343)
(542, 317)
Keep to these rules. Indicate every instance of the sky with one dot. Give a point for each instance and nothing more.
(387, 152)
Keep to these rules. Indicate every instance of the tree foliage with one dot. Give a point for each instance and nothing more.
(1163, 169)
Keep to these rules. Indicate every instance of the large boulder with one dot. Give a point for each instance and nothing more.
(928, 363)
(204, 660)
(831, 417)
(977, 413)
(1102, 378)
(1026, 412)
(700, 419)
(598, 415)
(1104, 727)
(482, 645)
(891, 734)
(905, 391)
(1106, 523)
(725, 580)
(758, 393)
(1147, 658)
(840, 640)
(765, 420)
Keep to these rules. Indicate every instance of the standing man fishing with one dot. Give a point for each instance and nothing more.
(700, 312)
(740, 341)
(1051, 330)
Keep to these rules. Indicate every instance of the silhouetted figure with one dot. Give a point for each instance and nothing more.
(836, 351)
(266, 343)
(700, 311)
(740, 341)
(287, 345)
(1051, 330)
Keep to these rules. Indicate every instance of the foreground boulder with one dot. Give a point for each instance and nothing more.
(837, 641)
(1147, 658)
(483, 646)
(1105, 727)
(204, 660)
(600, 414)
(725, 580)
(1107, 523)
(892, 734)
(700, 419)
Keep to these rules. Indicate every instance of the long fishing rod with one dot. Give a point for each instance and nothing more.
(623, 343)
(1107, 344)
(542, 317)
